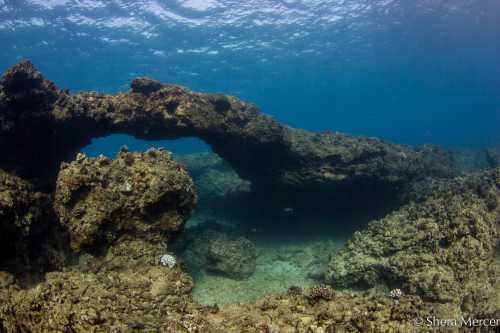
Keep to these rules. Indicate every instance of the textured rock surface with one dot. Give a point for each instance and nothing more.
(20, 207)
(86, 302)
(30, 140)
(217, 248)
(137, 195)
(444, 249)
(274, 155)
(213, 177)
(235, 258)
(200, 163)
(24, 222)
(138, 300)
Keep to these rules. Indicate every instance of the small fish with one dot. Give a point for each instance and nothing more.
(288, 211)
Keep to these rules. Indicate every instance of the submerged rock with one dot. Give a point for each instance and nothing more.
(138, 195)
(122, 301)
(25, 223)
(217, 248)
(20, 207)
(443, 249)
(214, 178)
(291, 161)
(200, 163)
(235, 258)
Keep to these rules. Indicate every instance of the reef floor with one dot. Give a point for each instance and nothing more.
(284, 259)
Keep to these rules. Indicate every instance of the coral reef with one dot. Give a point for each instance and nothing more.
(168, 260)
(140, 195)
(289, 160)
(137, 300)
(20, 209)
(320, 292)
(199, 163)
(215, 183)
(104, 257)
(30, 238)
(215, 180)
(493, 156)
(218, 249)
(157, 299)
(234, 258)
(470, 160)
(343, 313)
(444, 249)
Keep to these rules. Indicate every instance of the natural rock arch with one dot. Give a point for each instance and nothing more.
(40, 126)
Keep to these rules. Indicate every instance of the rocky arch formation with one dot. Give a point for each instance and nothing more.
(443, 251)
(41, 126)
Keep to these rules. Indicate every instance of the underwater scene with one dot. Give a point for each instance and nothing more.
(273, 166)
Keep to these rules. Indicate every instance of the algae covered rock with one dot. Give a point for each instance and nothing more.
(137, 195)
(293, 162)
(214, 178)
(139, 300)
(28, 136)
(19, 206)
(443, 249)
(217, 248)
(235, 258)
(23, 215)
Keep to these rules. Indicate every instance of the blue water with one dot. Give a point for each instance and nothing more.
(408, 71)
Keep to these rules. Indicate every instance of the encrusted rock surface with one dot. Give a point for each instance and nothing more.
(214, 178)
(23, 222)
(258, 148)
(20, 207)
(444, 249)
(138, 300)
(217, 248)
(157, 299)
(235, 258)
(138, 195)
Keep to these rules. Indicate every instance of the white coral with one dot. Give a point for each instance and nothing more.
(168, 260)
(395, 294)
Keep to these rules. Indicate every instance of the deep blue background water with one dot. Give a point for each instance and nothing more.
(408, 71)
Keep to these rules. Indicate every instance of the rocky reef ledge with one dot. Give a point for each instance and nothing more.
(444, 249)
(98, 229)
(41, 126)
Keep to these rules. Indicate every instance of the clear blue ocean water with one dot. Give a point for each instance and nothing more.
(408, 71)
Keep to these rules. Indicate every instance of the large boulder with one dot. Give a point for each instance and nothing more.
(235, 258)
(443, 249)
(138, 195)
